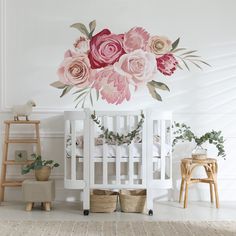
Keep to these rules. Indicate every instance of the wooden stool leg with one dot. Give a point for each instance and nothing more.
(29, 206)
(181, 190)
(216, 195)
(47, 206)
(211, 193)
(186, 195)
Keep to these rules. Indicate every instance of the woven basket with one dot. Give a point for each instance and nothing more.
(132, 200)
(103, 201)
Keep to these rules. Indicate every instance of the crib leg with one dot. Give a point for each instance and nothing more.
(149, 202)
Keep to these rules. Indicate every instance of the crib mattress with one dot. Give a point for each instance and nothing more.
(111, 151)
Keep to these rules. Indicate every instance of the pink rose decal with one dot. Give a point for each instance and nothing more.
(166, 64)
(110, 63)
(113, 87)
(105, 49)
(136, 38)
(138, 66)
(159, 45)
(74, 70)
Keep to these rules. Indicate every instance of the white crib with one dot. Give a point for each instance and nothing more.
(141, 165)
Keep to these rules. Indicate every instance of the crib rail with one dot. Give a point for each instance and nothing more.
(118, 122)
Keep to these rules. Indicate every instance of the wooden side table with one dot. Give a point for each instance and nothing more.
(187, 167)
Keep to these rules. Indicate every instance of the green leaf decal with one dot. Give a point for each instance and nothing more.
(159, 85)
(81, 27)
(153, 92)
(58, 84)
(175, 44)
(92, 25)
(66, 90)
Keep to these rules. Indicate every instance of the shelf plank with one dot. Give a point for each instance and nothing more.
(32, 140)
(12, 183)
(13, 162)
(20, 122)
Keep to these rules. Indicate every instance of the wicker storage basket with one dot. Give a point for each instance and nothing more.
(103, 201)
(132, 200)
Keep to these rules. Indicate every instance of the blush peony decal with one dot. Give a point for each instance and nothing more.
(108, 65)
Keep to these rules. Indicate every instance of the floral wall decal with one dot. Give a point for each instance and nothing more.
(108, 65)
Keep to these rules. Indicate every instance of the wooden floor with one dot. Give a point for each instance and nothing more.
(163, 211)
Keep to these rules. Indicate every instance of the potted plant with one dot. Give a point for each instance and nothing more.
(182, 132)
(42, 167)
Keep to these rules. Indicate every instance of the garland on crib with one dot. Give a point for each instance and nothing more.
(116, 138)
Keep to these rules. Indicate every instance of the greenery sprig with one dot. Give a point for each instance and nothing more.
(37, 164)
(183, 133)
(114, 137)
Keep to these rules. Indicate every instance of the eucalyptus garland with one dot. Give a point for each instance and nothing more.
(116, 138)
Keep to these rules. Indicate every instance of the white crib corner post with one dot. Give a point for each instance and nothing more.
(65, 145)
(144, 150)
(163, 150)
(149, 158)
(86, 172)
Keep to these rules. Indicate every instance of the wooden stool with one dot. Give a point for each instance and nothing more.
(38, 191)
(187, 167)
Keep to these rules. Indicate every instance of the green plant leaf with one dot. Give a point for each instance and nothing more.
(58, 84)
(79, 90)
(185, 63)
(159, 85)
(178, 49)
(91, 98)
(203, 62)
(66, 90)
(153, 92)
(92, 26)
(189, 52)
(81, 27)
(175, 44)
(80, 95)
(196, 64)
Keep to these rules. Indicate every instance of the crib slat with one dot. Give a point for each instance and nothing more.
(105, 155)
(131, 164)
(163, 151)
(118, 157)
(73, 150)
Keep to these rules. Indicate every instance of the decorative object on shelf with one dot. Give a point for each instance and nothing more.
(116, 138)
(182, 132)
(42, 167)
(21, 155)
(23, 110)
(107, 65)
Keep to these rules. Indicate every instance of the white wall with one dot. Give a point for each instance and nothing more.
(35, 34)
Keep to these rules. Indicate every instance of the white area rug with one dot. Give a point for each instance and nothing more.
(119, 228)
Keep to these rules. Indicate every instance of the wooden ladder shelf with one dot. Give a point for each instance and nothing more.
(5, 162)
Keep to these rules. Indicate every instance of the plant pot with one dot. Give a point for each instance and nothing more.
(199, 153)
(43, 173)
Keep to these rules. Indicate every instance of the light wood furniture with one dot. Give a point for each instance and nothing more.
(38, 191)
(211, 168)
(8, 140)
